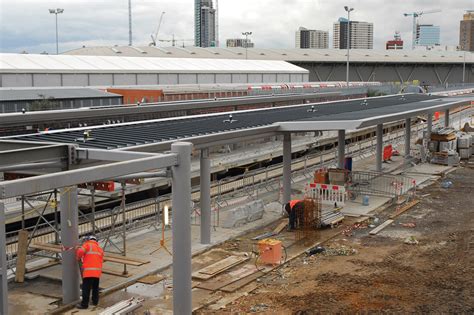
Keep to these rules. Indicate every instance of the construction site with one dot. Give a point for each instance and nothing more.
(240, 197)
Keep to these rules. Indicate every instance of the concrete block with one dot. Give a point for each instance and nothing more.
(464, 142)
(444, 146)
(465, 153)
(242, 214)
(256, 209)
(433, 146)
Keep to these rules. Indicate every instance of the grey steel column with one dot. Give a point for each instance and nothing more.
(69, 239)
(379, 148)
(181, 228)
(286, 168)
(3, 264)
(407, 137)
(341, 148)
(205, 182)
(446, 118)
(429, 125)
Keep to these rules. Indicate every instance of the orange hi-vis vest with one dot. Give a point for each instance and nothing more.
(92, 256)
(293, 203)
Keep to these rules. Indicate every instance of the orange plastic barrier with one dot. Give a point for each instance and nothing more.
(387, 152)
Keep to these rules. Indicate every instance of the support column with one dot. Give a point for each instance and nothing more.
(446, 118)
(205, 182)
(181, 228)
(407, 137)
(69, 239)
(3, 264)
(379, 148)
(341, 148)
(429, 125)
(286, 168)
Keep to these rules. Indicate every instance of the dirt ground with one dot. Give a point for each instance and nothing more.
(381, 273)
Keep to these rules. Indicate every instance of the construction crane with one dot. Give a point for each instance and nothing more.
(173, 40)
(416, 15)
(154, 37)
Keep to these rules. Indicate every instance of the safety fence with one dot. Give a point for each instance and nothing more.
(328, 194)
(379, 184)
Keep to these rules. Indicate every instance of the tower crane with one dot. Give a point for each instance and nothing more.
(173, 40)
(416, 15)
(154, 37)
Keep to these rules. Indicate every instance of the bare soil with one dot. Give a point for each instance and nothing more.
(384, 275)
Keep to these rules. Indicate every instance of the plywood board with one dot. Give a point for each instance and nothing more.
(21, 256)
(381, 227)
(240, 283)
(219, 267)
(280, 227)
(228, 278)
(151, 279)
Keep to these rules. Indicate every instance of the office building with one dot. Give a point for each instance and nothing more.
(204, 23)
(427, 35)
(466, 32)
(239, 42)
(361, 34)
(315, 39)
(395, 43)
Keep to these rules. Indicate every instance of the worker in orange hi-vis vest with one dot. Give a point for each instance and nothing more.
(295, 209)
(92, 257)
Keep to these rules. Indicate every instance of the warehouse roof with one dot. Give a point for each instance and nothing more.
(138, 64)
(294, 54)
(26, 94)
(212, 128)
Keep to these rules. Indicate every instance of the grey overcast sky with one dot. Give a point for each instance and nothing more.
(26, 25)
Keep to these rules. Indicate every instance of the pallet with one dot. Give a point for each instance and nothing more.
(110, 257)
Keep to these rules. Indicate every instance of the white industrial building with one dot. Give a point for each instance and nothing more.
(25, 70)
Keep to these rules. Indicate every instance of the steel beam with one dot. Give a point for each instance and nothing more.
(379, 148)
(181, 199)
(3, 264)
(341, 148)
(69, 239)
(110, 155)
(26, 186)
(286, 168)
(205, 183)
(446, 118)
(407, 137)
(429, 125)
(32, 155)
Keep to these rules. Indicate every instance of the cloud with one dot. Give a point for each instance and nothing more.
(27, 24)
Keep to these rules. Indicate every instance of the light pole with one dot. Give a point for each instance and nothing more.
(56, 12)
(246, 34)
(348, 10)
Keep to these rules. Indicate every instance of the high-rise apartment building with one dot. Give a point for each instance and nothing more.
(315, 39)
(204, 23)
(466, 32)
(427, 35)
(239, 42)
(361, 34)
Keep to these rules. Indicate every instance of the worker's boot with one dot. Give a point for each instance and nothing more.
(81, 307)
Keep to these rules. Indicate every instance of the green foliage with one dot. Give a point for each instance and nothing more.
(45, 103)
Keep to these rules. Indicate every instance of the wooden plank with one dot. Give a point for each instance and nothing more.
(280, 227)
(115, 273)
(240, 283)
(151, 279)
(381, 227)
(221, 304)
(404, 208)
(228, 278)
(107, 256)
(40, 267)
(21, 256)
(219, 267)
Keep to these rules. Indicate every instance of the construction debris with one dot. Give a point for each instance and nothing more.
(402, 208)
(411, 240)
(381, 227)
(123, 307)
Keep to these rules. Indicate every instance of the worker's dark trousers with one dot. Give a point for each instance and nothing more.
(292, 216)
(89, 284)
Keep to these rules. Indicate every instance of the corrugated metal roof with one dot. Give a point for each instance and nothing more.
(158, 131)
(20, 94)
(294, 54)
(14, 63)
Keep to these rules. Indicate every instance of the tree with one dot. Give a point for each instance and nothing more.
(45, 103)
